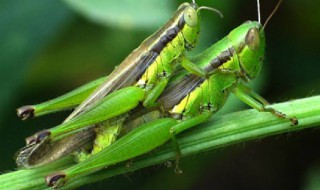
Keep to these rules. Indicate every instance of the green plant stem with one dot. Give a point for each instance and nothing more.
(220, 131)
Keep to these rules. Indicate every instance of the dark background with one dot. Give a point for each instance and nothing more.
(50, 47)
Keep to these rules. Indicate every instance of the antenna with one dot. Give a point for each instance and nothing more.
(259, 14)
(272, 13)
(211, 9)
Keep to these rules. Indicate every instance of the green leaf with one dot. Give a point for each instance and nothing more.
(142, 15)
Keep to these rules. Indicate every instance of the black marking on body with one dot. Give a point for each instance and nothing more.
(222, 58)
(261, 59)
(157, 48)
(181, 23)
(168, 36)
(52, 180)
(241, 47)
(162, 74)
(175, 93)
(147, 60)
(25, 112)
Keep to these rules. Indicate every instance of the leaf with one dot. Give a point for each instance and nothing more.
(146, 14)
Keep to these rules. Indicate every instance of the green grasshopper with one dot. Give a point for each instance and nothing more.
(142, 76)
(228, 64)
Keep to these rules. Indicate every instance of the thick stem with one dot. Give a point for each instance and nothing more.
(220, 131)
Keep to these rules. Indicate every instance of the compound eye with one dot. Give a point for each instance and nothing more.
(190, 17)
(253, 39)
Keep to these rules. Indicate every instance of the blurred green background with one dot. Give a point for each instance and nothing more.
(49, 47)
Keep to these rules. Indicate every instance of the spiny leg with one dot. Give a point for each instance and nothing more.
(239, 74)
(255, 95)
(177, 150)
(184, 125)
(255, 101)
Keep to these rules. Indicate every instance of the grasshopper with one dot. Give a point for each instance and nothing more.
(228, 64)
(141, 77)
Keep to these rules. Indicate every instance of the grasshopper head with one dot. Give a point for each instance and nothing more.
(191, 29)
(249, 43)
(191, 18)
